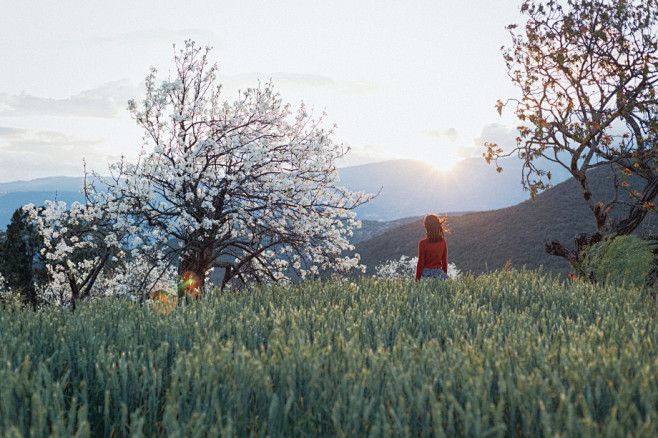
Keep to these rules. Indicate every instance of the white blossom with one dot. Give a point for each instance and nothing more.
(254, 181)
(248, 186)
(405, 267)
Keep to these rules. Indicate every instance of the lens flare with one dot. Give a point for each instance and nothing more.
(163, 302)
(191, 284)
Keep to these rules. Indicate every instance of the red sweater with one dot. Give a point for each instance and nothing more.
(432, 255)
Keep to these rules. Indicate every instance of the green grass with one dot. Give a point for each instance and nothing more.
(506, 354)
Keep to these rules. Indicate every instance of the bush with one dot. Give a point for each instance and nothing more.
(405, 267)
(619, 260)
(8, 296)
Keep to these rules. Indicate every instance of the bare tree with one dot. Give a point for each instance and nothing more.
(587, 71)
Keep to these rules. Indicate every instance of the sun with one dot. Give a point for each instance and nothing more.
(444, 164)
(443, 161)
(440, 154)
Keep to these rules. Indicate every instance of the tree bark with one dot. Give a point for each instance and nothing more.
(573, 256)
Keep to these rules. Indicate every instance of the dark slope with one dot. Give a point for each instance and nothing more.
(487, 240)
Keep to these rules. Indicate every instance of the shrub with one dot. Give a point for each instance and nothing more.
(405, 267)
(619, 260)
(8, 296)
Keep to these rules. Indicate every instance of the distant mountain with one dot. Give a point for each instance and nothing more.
(414, 188)
(487, 240)
(478, 241)
(408, 188)
(51, 184)
(15, 194)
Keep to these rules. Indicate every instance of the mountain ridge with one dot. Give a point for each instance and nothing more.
(408, 188)
(415, 188)
(46, 184)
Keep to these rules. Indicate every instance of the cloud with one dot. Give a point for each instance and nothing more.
(142, 39)
(502, 135)
(28, 153)
(368, 153)
(301, 83)
(8, 132)
(104, 101)
(449, 134)
(30, 140)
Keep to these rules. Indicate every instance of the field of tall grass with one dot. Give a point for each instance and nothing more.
(504, 354)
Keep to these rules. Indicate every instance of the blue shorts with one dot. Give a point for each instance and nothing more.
(433, 273)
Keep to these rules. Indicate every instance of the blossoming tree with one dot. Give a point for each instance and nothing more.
(246, 186)
(81, 243)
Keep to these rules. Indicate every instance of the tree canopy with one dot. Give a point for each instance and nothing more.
(21, 262)
(586, 72)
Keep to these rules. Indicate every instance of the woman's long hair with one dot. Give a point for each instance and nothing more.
(434, 227)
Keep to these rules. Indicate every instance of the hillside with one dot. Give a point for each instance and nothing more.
(371, 229)
(487, 240)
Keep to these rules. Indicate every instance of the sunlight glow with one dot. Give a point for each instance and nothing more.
(191, 284)
(443, 164)
(442, 160)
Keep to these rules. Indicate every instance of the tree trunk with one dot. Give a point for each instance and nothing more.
(620, 227)
(573, 256)
(74, 289)
(228, 274)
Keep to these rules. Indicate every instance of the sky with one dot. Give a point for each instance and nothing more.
(400, 79)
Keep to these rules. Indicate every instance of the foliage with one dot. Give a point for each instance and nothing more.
(405, 267)
(504, 354)
(587, 73)
(21, 262)
(619, 260)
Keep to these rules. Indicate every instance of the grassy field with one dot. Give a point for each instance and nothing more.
(506, 354)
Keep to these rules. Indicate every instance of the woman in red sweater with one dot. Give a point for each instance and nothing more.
(432, 250)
